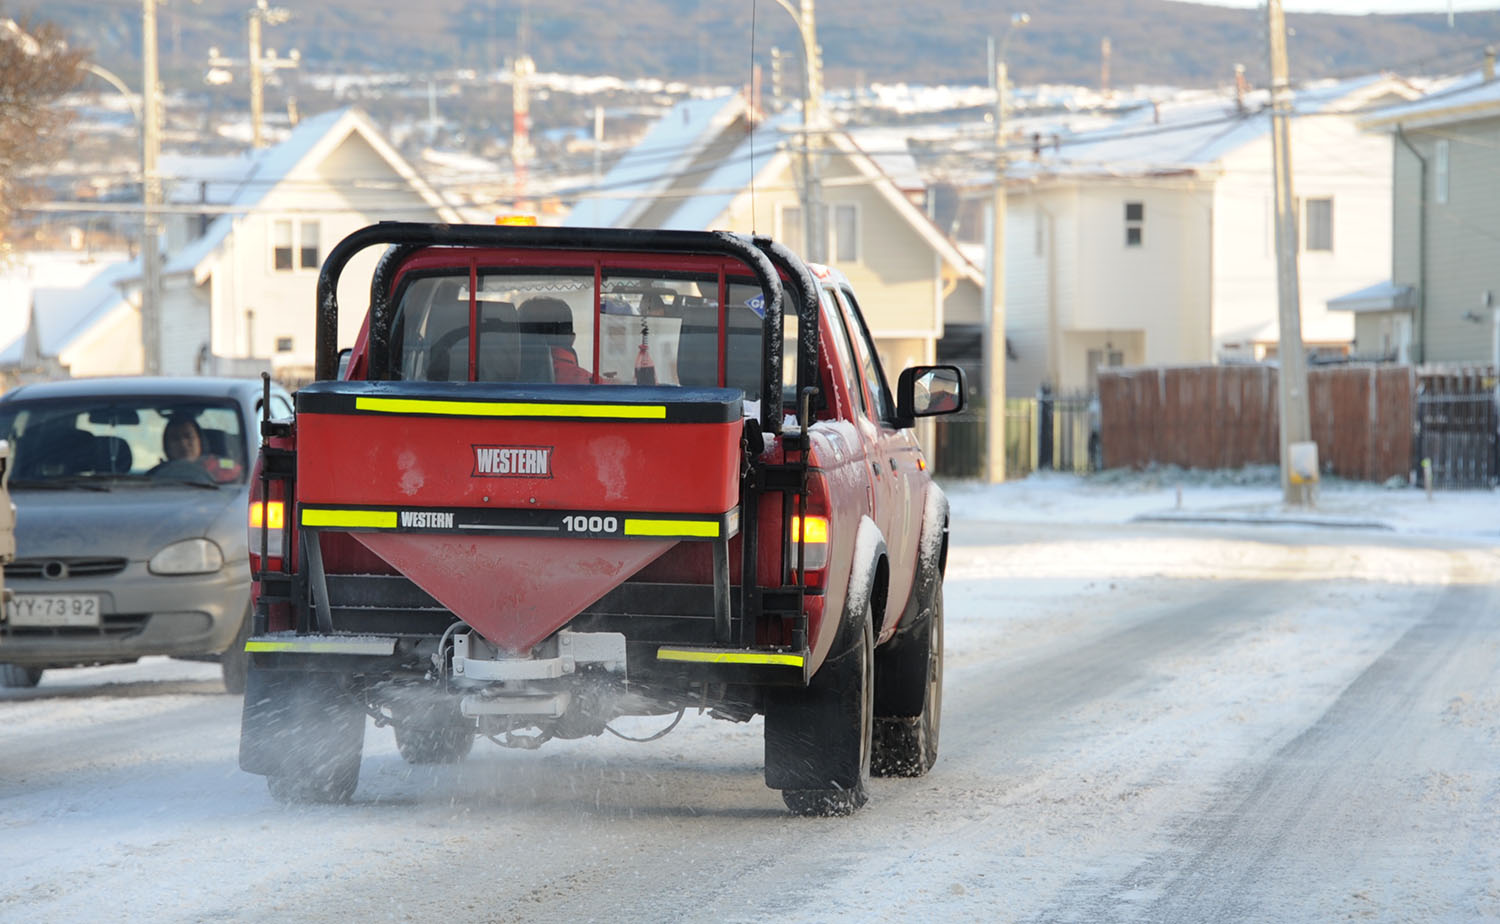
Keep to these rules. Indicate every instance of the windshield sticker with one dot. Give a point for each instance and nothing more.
(757, 304)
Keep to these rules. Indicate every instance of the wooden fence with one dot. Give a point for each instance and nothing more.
(1213, 417)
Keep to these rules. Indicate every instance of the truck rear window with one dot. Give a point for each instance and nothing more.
(543, 328)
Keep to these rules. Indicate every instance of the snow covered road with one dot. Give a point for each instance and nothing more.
(1154, 722)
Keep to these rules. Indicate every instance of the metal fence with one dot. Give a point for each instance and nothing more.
(1456, 438)
(1049, 432)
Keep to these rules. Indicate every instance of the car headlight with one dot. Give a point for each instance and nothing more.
(190, 556)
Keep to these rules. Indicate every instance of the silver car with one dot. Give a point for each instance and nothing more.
(131, 502)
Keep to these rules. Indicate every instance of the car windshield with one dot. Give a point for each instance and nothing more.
(107, 441)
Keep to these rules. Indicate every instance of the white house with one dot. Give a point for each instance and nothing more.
(248, 235)
(244, 238)
(1152, 241)
(68, 314)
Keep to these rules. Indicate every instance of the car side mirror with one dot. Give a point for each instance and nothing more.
(928, 391)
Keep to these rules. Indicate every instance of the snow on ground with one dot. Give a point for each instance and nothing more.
(1112, 685)
(1251, 495)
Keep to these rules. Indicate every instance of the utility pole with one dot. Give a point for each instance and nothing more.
(150, 195)
(814, 217)
(275, 16)
(1295, 425)
(993, 345)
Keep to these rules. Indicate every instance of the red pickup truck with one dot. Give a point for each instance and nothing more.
(571, 475)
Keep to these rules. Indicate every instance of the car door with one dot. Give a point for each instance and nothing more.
(893, 457)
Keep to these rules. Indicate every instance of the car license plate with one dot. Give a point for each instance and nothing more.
(53, 610)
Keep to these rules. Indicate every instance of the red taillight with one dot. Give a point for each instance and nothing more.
(808, 531)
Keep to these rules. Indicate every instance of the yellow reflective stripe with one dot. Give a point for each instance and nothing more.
(511, 408)
(709, 656)
(705, 528)
(354, 519)
(308, 646)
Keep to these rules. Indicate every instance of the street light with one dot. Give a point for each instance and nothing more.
(815, 238)
(993, 344)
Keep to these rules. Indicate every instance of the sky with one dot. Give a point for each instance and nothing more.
(1359, 7)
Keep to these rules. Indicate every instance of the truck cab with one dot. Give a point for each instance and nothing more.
(569, 475)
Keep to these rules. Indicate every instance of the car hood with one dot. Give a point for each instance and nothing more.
(131, 522)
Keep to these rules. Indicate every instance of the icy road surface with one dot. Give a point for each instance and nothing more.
(1150, 722)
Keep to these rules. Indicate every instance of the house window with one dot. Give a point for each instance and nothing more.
(845, 233)
(307, 245)
(283, 344)
(791, 228)
(1107, 358)
(841, 226)
(1319, 215)
(295, 245)
(1135, 220)
(281, 245)
(1440, 173)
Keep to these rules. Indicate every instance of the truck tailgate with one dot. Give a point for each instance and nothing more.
(517, 506)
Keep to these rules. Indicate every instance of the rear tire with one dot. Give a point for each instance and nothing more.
(19, 675)
(234, 663)
(433, 735)
(305, 733)
(818, 739)
(907, 745)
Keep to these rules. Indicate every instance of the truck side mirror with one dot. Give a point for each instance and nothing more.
(927, 391)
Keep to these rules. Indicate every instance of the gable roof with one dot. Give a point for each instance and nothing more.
(690, 168)
(1194, 133)
(1459, 100)
(59, 316)
(646, 172)
(242, 183)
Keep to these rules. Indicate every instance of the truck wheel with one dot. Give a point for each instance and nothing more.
(911, 677)
(234, 662)
(304, 732)
(818, 738)
(434, 735)
(18, 675)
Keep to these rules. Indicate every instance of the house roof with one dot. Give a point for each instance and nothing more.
(667, 161)
(240, 183)
(1382, 296)
(656, 162)
(1458, 100)
(1190, 133)
(59, 316)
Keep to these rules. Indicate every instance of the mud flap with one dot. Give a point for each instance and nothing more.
(297, 723)
(814, 734)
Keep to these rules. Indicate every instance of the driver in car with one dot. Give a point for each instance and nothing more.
(183, 442)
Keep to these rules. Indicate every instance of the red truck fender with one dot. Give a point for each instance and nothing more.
(865, 594)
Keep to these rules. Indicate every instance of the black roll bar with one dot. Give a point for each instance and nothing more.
(806, 289)
(621, 240)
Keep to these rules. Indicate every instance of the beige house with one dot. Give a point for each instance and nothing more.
(1440, 302)
(711, 165)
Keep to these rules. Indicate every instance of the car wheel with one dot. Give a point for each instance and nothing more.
(18, 675)
(907, 745)
(818, 739)
(436, 734)
(235, 661)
